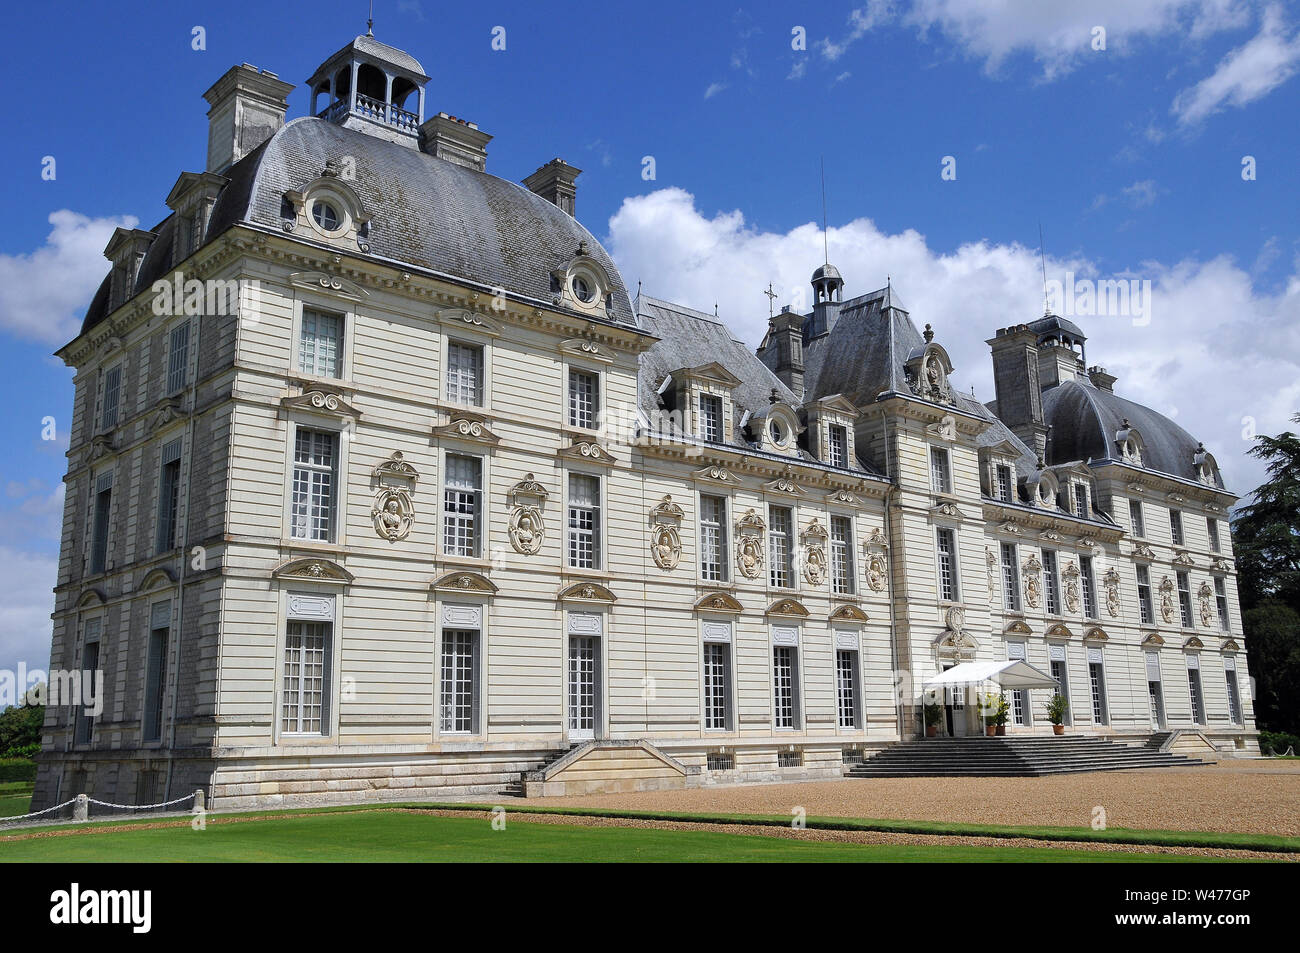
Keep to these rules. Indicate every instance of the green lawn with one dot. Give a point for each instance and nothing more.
(15, 797)
(374, 836)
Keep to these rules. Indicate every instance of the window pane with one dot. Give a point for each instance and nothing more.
(465, 374)
(305, 663)
(711, 418)
(314, 477)
(713, 538)
(178, 358)
(841, 555)
(780, 550)
(459, 648)
(461, 499)
(584, 399)
(716, 675)
(318, 346)
(584, 521)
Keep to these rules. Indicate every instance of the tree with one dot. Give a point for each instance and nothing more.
(20, 728)
(1266, 536)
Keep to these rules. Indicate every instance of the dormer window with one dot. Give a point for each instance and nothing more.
(780, 436)
(1081, 508)
(325, 215)
(582, 289)
(837, 446)
(1003, 484)
(711, 418)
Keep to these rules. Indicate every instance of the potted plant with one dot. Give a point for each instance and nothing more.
(989, 711)
(1003, 713)
(933, 715)
(1056, 709)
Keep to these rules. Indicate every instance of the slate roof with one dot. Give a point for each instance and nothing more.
(1084, 420)
(426, 213)
(862, 355)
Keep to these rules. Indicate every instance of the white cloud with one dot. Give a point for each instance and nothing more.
(798, 69)
(25, 608)
(861, 21)
(1248, 73)
(1217, 348)
(44, 293)
(1059, 35)
(1141, 194)
(714, 89)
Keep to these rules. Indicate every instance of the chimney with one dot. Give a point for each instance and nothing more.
(455, 140)
(554, 182)
(1101, 380)
(1057, 363)
(248, 107)
(785, 335)
(1016, 383)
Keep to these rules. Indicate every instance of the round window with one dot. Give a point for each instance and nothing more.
(777, 431)
(582, 289)
(325, 215)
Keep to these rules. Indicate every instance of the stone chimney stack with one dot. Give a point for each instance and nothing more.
(555, 183)
(1101, 380)
(455, 140)
(785, 336)
(248, 107)
(1016, 383)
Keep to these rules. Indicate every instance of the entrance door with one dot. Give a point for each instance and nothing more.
(582, 688)
(1063, 679)
(954, 709)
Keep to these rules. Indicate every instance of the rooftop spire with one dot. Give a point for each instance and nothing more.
(826, 255)
(1042, 254)
(370, 20)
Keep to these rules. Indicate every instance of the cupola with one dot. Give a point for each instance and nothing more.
(373, 88)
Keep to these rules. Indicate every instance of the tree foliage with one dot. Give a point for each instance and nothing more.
(20, 728)
(1266, 537)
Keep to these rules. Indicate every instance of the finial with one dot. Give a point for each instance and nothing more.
(370, 21)
(771, 298)
(826, 254)
(928, 335)
(715, 309)
(773, 397)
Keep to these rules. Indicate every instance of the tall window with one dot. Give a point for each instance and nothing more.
(584, 521)
(837, 446)
(1004, 483)
(458, 693)
(717, 689)
(1097, 683)
(1135, 517)
(169, 492)
(315, 474)
(846, 688)
(1010, 578)
(112, 398)
(1184, 600)
(713, 539)
(780, 553)
(1088, 583)
(711, 418)
(160, 621)
(1051, 583)
(306, 667)
(1221, 601)
(462, 500)
(1212, 527)
(1176, 527)
(946, 545)
(319, 343)
(940, 475)
(1234, 692)
(85, 725)
(841, 555)
(1081, 509)
(1146, 611)
(465, 374)
(1194, 689)
(584, 399)
(178, 357)
(785, 675)
(100, 528)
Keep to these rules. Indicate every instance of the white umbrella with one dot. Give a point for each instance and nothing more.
(1013, 673)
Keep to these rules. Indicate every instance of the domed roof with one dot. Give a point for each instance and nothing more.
(425, 212)
(827, 271)
(1084, 420)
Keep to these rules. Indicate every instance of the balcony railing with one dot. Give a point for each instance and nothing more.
(375, 110)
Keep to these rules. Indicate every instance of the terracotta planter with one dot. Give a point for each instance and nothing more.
(1058, 729)
(990, 730)
(1002, 729)
(931, 730)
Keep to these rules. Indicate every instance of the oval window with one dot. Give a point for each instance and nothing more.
(582, 289)
(325, 215)
(777, 432)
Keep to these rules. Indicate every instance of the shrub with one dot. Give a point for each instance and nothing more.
(1277, 742)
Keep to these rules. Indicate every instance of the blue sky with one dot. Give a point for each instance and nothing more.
(1130, 158)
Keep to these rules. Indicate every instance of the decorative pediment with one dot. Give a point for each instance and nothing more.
(848, 613)
(784, 484)
(319, 281)
(843, 498)
(157, 579)
(1010, 528)
(1229, 645)
(396, 470)
(313, 569)
(1096, 634)
(718, 602)
(1183, 558)
(466, 425)
(788, 608)
(1050, 534)
(1087, 542)
(1153, 640)
(586, 592)
(957, 645)
(1143, 551)
(1018, 627)
(91, 598)
(164, 412)
(717, 474)
(1219, 564)
(876, 540)
(944, 429)
(927, 373)
(713, 372)
(102, 445)
(814, 531)
(587, 349)
(588, 451)
(1058, 631)
(461, 318)
(1176, 498)
(1192, 642)
(321, 402)
(464, 582)
(946, 510)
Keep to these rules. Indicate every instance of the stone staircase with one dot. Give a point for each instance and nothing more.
(1157, 740)
(516, 787)
(1012, 757)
